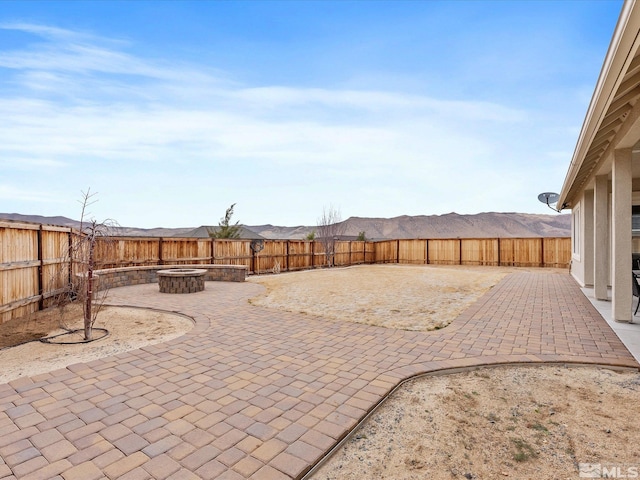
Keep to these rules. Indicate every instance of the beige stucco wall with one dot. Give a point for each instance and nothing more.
(578, 240)
(583, 260)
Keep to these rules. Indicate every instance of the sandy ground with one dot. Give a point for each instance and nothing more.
(504, 422)
(129, 328)
(394, 296)
(496, 423)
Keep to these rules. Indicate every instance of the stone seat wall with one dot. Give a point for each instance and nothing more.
(125, 276)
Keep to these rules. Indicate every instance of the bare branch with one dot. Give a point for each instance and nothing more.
(78, 272)
(330, 228)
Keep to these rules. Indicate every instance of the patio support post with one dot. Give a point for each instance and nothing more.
(588, 237)
(601, 238)
(621, 235)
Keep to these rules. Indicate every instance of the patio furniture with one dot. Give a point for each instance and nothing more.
(636, 289)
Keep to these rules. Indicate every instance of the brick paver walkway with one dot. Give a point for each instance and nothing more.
(257, 393)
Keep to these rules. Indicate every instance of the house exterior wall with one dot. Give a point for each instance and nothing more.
(582, 239)
(577, 267)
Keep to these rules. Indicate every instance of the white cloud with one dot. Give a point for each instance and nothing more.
(78, 107)
(10, 192)
(45, 31)
(377, 101)
(22, 163)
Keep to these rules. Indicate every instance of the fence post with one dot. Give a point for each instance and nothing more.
(160, 261)
(499, 259)
(313, 253)
(286, 258)
(70, 254)
(398, 251)
(427, 247)
(40, 271)
(541, 252)
(459, 251)
(253, 261)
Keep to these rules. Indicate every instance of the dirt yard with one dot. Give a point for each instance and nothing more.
(393, 296)
(129, 328)
(503, 422)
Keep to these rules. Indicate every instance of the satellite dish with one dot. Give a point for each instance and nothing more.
(549, 199)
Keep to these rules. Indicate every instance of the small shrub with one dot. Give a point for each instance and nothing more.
(539, 427)
(524, 451)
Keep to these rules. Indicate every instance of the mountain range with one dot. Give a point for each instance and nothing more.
(451, 225)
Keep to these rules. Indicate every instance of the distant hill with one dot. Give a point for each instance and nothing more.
(60, 221)
(68, 222)
(451, 225)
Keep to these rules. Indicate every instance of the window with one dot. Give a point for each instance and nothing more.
(635, 220)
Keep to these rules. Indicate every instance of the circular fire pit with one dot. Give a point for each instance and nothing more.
(181, 280)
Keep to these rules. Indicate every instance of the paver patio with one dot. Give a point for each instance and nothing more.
(257, 393)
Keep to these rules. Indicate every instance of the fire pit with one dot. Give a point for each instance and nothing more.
(181, 280)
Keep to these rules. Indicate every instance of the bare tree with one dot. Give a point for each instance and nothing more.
(80, 267)
(330, 228)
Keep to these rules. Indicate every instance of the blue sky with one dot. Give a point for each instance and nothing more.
(172, 111)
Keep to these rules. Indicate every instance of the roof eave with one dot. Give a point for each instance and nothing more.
(610, 77)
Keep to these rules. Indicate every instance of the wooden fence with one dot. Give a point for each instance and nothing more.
(512, 252)
(35, 265)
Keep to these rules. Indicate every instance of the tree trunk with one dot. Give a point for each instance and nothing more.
(89, 296)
